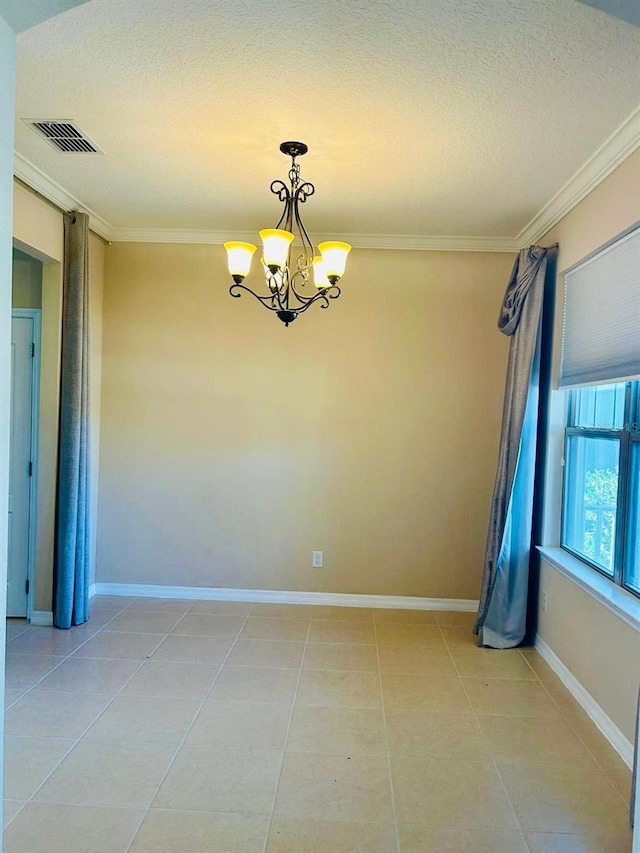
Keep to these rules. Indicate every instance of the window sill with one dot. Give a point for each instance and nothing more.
(625, 605)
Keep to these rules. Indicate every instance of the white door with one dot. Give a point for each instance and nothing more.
(20, 462)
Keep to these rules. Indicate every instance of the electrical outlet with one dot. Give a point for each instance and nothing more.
(317, 559)
(544, 600)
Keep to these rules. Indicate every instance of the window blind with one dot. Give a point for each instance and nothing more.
(601, 331)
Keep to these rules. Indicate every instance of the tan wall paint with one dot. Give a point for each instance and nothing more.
(37, 226)
(26, 283)
(96, 288)
(601, 650)
(39, 231)
(232, 447)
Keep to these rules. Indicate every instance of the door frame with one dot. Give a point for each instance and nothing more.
(34, 314)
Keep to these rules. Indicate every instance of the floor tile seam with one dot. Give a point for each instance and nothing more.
(286, 740)
(624, 797)
(128, 631)
(262, 814)
(313, 642)
(24, 630)
(209, 636)
(109, 621)
(353, 753)
(493, 762)
(340, 707)
(65, 658)
(21, 809)
(87, 805)
(394, 812)
(524, 658)
(186, 734)
(76, 741)
(328, 669)
(603, 770)
(33, 737)
(468, 826)
(484, 677)
(165, 613)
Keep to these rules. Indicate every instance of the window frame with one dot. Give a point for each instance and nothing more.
(627, 435)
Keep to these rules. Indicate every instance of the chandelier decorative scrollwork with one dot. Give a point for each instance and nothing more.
(288, 263)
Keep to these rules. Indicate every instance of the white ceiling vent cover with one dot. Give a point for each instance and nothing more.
(64, 135)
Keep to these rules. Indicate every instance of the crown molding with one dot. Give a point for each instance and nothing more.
(45, 186)
(622, 142)
(615, 149)
(408, 242)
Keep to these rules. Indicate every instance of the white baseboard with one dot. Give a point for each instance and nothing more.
(41, 617)
(92, 590)
(603, 721)
(272, 596)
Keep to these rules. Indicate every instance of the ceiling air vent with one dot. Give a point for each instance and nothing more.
(64, 135)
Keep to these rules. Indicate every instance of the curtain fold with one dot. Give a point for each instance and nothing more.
(71, 558)
(501, 621)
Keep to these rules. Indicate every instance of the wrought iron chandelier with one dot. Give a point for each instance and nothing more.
(287, 275)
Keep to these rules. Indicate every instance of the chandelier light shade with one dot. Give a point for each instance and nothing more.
(239, 259)
(288, 256)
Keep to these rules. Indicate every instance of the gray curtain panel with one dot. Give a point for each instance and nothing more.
(501, 621)
(71, 564)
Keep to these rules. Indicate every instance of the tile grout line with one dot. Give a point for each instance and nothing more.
(33, 687)
(193, 722)
(101, 629)
(567, 720)
(65, 658)
(92, 723)
(493, 762)
(394, 813)
(286, 740)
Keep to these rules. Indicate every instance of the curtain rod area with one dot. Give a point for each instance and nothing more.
(54, 205)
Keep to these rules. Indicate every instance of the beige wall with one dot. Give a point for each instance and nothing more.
(601, 650)
(26, 283)
(96, 286)
(38, 231)
(232, 446)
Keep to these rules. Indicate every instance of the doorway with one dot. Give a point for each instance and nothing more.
(25, 380)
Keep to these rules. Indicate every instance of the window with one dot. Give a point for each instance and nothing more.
(601, 508)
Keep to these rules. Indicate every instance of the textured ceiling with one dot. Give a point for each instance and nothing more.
(447, 117)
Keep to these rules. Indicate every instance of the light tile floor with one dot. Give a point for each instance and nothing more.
(169, 726)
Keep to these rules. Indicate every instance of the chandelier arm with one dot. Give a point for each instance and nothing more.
(322, 296)
(286, 285)
(280, 189)
(301, 297)
(303, 192)
(319, 297)
(333, 292)
(263, 300)
(286, 218)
